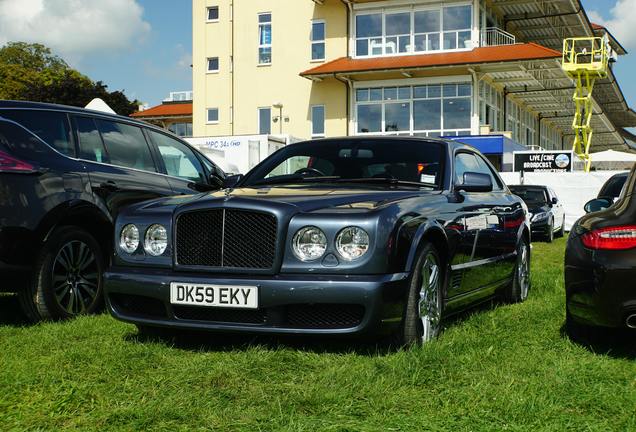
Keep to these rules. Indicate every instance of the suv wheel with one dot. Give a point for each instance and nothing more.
(67, 277)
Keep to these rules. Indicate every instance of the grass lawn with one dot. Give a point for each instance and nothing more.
(498, 368)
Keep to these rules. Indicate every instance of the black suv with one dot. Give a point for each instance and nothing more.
(64, 174)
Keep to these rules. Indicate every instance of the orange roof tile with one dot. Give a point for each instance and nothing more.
(166, 110)
(491, 54)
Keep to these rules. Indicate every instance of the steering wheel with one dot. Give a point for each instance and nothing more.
(309, 170)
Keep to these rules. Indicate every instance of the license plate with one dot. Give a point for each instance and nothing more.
(230, 296)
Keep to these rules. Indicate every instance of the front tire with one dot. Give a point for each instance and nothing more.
(423, 315)
(561, 232)
(517, 291)
(67, 277)
(549, 237)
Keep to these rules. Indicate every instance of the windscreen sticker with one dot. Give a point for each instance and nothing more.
(427, 178)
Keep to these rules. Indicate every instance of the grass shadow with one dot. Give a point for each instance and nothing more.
(10, 311)
(226, 342)
(614, 343)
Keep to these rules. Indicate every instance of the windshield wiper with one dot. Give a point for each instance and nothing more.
(386, 180)
(294, 178)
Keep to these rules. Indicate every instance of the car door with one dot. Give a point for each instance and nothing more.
(186, 173)
(119, 162)
(484, 237)
(557, 209)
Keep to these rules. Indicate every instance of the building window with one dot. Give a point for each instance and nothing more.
(213, 64)
(318, 121)
(213, 115)
(213, 13)
(265, 38)
(421, 30)
(181, 129)
(425, 110)
(318, 40)
(265, 121)
(490, 105)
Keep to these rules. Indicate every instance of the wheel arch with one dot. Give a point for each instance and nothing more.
(430, 232)
(83, 215)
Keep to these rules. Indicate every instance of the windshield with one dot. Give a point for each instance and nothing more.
(372, 161)
(530, 195)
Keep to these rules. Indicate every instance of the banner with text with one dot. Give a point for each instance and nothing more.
(543, 161)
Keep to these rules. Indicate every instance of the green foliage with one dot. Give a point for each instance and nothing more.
(32, 72)
(503, 368)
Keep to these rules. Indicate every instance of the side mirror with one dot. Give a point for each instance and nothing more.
(475, 182)
(216, 180)
(597, 204)
(555, 200)
(232, 181)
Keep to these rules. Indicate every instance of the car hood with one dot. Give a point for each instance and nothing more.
(534, 209)
(302, 198)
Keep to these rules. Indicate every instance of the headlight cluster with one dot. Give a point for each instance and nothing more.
(310, 243)
(155, 239)
(539, 216)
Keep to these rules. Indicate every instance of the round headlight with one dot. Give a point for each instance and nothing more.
(309, 243)
(352, 243)
(156, 240)
(129, 238)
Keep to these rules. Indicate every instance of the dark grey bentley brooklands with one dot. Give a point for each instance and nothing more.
(357, 236)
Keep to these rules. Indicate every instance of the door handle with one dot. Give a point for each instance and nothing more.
(109, 185)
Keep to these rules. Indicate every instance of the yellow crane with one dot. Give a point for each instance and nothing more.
(584, 60)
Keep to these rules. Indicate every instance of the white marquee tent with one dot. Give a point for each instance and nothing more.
(612, 160)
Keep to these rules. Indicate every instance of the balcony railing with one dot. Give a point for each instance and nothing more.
(493, 36)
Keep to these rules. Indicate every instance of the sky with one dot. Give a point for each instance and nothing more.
(144, 47)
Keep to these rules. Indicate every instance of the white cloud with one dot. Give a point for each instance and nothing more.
(621, 22)
(73, 28)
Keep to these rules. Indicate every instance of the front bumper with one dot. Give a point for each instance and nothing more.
(288, 304)
(540, 228)
(600, 285)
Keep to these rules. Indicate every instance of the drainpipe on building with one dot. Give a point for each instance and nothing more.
(232, 66)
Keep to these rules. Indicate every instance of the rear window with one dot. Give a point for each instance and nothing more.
(50, 126)
(613, 187)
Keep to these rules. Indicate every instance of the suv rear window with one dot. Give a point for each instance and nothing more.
(50, 126)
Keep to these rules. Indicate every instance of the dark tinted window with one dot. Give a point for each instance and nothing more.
(178, 159)
(90, 142)
(612, 188)
(126, 145)
(50, 126)
(530, 195)
(407, 160)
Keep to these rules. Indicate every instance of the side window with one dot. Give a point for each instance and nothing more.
(469, 162)
(464, 162)
(485, 168)
(50, 126)
(90, 142)
(179, 160)
(126, 145)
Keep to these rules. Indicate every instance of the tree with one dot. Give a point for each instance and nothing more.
(32, 72)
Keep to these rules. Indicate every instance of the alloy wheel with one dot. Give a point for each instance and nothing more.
(75, 277)
(429, 305)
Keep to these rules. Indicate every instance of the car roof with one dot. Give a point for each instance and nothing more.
(529, 186)
(50, 106)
